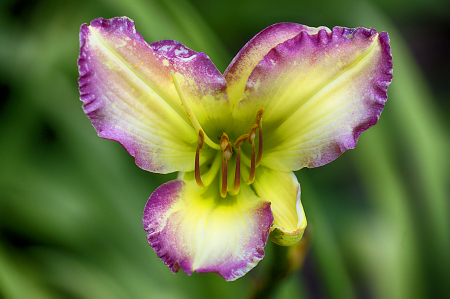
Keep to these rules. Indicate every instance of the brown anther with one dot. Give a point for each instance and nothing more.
(228, 152)
(260, 147)
(240, 141)
(252, 134)
(259, 117)
(200, 141)
(224, 140)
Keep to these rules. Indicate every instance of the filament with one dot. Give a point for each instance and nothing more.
(227, 152)
(200, 140)
(251, 140)
(237, 174)
(260, 147)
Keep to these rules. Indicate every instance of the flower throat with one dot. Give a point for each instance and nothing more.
(225, 147)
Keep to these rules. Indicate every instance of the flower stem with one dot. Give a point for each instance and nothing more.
(285, 261)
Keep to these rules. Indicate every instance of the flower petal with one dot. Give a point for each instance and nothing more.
(283, 191)
(196, 230)
(319, 93)
(245, 61)
(202, 84)
(128, 93)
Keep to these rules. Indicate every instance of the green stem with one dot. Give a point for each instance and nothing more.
(285, 260)
(278, 270)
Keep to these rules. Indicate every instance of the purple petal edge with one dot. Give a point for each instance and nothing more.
(376, 89)
(98, 91)
(108, 25)
(264, 35)
(87, 93)
(160, 235)
(195, 65)
(381, 85)
(160, 198)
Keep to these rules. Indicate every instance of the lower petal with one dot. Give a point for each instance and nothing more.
(196, 230)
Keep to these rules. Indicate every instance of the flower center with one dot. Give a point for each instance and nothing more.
(227, 152)
(225, 147)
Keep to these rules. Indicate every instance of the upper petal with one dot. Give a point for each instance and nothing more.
(196, 230)
(245, 61)
(201, 82)
(128, 93)
(283, 191)
(319, 93)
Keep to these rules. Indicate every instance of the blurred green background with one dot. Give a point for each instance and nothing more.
(71, 203)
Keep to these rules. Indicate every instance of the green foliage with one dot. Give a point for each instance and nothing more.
(71, 203)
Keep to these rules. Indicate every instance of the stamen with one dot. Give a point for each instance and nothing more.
(251, 140)
(227, 152)
(223, 192)
(224, 140)
(240, 141)
(252, 133)
(200, 140)
(237, 174)
(189, 112)
(260, 147)
(259, 115)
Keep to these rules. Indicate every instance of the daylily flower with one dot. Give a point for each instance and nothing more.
(293, 97)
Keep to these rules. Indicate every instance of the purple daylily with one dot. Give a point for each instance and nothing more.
(307, 92)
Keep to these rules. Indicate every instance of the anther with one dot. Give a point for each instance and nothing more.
(200, 141)
(240, 141)
(227, 152)
(224, 140)
(260, 147)
(259, 115)
(251, 140)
